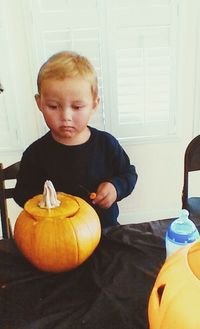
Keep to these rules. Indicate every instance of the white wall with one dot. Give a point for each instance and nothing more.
(159, 162)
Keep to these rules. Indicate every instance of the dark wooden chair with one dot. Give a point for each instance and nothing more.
(191, 163)
(7, 173)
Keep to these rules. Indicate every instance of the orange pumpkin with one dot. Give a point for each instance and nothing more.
(174, 300)
(59, 238)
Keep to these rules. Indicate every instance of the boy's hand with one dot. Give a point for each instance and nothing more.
(106, 194)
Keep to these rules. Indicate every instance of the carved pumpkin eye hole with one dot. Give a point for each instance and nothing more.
(160, 291)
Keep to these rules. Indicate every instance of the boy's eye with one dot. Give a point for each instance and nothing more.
(78, 107)
(53, 107)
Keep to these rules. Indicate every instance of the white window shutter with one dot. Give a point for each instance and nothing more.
(133, 46)
(144, 37)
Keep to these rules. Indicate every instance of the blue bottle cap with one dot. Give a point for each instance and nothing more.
(182, 230)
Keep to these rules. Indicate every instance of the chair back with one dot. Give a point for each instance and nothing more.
(191, 163)
(7, 173)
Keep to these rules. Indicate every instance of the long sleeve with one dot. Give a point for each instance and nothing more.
(125, 176)
(30, 180)
(125, 183)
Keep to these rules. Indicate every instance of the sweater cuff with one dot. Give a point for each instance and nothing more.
(118, 186)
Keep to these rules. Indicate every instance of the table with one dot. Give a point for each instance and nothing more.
(109, 291)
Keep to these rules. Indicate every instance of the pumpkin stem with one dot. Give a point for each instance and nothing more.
(49, 199)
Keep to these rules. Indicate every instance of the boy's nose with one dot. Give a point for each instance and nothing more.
(67, 114)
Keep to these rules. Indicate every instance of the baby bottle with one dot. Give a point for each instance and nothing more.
(180, 232)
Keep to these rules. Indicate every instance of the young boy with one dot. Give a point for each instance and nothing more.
(74, 156)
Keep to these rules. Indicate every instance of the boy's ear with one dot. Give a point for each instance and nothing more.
(38, 101)
(96, 103)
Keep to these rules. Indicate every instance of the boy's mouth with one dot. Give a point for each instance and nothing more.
(67, 128)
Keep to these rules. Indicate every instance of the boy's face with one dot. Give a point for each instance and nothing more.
(67, 106)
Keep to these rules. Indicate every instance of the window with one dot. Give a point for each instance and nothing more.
(133, 46)
(9, 125)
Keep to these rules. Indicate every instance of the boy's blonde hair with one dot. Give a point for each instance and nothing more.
(68, 64)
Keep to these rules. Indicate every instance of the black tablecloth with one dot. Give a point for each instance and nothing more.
(109, 291)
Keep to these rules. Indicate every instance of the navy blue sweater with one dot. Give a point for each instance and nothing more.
(98, 160)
